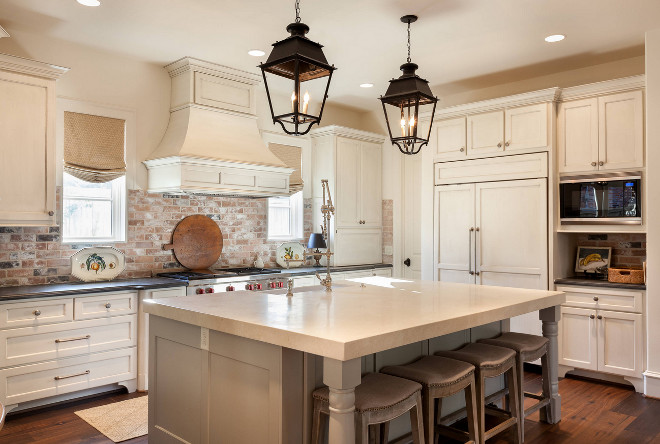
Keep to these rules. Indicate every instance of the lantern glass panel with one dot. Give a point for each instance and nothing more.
(402, 114)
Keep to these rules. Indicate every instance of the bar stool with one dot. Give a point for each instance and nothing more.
(490, 361)
(378, 400)
(528, 348)
(441, 377)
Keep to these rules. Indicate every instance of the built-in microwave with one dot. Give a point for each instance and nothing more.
(612, 198)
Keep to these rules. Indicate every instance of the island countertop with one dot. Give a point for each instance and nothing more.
(354, 319)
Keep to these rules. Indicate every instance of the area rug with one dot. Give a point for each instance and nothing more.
(119, 421)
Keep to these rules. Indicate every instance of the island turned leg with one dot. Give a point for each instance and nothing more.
(342, 377)
(552, 412)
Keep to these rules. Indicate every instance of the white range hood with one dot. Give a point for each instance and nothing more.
(212, 144)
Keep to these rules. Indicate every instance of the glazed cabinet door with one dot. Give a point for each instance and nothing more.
(577, 140)
(578, 338)
(371, 204)
(348, 182)
(454, 233)
(620, 343)
(526, 128)
(621, 131)
(485, 133)
(449, 139)
(27, 159)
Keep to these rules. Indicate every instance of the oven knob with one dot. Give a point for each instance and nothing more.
(230, 288)
(280, 284)
(258, 286)
(199, 291)
(210, 290)
(272, 285)
(249, 287)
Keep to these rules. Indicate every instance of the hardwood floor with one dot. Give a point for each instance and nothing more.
(591, 413)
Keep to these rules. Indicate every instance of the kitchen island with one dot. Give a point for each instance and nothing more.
(236, 368)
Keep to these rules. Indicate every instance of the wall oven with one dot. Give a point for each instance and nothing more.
(613, 198)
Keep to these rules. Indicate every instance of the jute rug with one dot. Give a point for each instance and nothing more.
(121, 420)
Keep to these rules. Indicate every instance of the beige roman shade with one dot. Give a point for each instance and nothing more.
(292, 157)
(94, 147)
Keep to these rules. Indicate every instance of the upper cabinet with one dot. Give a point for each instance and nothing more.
(601, 133)
(27, 138)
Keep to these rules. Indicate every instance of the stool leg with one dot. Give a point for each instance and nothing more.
(385, 432)
(481, 407)
(512, 378)
(416, 420)
(361, 429)
(546, 386)
(521, 395)
(471, 407)
(316, 422)
(429, 415)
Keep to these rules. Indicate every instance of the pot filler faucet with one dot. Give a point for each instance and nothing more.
(328, 211)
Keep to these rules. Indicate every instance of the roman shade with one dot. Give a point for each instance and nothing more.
(292, 158)
(94, 147)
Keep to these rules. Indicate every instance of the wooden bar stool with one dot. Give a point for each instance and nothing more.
(490, 361)
(528, 348)
(441, 377)
(378, 399)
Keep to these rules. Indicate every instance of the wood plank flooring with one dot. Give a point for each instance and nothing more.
(592, 412)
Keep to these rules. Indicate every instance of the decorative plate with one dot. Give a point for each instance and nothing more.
(97, 264)
(293, 252)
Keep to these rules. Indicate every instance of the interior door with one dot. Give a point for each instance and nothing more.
(485, 133)
(578, 338)
(526, 128)
(412, 211)
(620, 341)
(348, 183)
(577, 129)
(621, 131)
(512, 241)
(371, 204)
(454, 233)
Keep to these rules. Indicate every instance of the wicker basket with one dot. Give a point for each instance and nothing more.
(624, 275)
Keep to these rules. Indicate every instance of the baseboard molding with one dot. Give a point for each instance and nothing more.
(652, 384)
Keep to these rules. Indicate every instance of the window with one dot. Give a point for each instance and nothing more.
(93, 212)
(285, 217)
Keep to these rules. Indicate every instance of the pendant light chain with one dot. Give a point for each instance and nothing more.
(409, 41)
(297, 11)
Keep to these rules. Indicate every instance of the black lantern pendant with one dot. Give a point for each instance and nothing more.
(298, 65)
(408, 97)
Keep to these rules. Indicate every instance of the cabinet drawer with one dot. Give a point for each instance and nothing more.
(32, 344)
(166, 293)
(30, 382)
(601, 298)
(523, 166)
(306, 281)
(39, 312)
(112, 304)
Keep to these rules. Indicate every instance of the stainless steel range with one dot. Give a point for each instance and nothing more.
(230, 279)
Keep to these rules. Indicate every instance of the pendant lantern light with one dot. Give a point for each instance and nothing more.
(407, 97)
(297, 65)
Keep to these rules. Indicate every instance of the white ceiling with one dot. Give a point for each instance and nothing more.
(453, 40)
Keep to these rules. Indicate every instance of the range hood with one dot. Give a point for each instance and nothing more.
(212, 144)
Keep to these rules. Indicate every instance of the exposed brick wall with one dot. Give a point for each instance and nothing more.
(628, 250)
(388, 229)
(36, 255)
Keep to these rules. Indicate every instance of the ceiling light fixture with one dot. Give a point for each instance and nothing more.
(256, 52)
(293, 61)
(406, 96)
(555, 38)
(366, 85)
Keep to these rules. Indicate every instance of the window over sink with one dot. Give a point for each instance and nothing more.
(285, 217)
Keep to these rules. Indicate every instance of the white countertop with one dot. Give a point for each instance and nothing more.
(352, 320)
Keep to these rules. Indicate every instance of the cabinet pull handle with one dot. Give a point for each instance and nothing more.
(508, 142)
(462, 149)
(593, 164)
(476, 231)
(470, 250)
(57, 341)
(86, 372)
(591, 316)
(37, 312)
(499, 145)
(599, 317)
(596, 298)
(108, 305)
(601, 163)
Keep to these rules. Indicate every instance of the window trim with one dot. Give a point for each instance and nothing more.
(296, 219)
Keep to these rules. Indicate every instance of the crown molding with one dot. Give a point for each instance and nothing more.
(186, 64)
(599, 88)
(336, 130)
(31, 67)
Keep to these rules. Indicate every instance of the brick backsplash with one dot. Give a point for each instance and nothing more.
(36, 255)
(628, 250)
(388, 229)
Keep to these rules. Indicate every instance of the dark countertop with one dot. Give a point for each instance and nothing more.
(73, 288)
(601, 283)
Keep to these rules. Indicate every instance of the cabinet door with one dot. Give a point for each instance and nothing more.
(621, 131)
(577, 129)
(620, 343)
(454, 240)
(526, 128)
(27, 161)
(485, 133)
(578, 338)
(371, 203)
(348, 182)
(450, 143)
(355, 246)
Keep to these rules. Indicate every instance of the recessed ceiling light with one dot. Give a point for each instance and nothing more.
(555, 38)
(366, 85)
(256, 52)
(89, 2)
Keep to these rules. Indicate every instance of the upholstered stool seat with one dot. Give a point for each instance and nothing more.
(490, 361)
(441, 377)
(378, 399)
(528, 348)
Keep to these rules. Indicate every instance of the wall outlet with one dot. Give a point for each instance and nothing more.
(388, 250)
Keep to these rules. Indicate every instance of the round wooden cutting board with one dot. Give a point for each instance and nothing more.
(197, 242)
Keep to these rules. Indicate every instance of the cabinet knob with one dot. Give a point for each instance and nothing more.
(591, 316)
(51, 212)
(477, 273)
(407, 262)
(462, 149)
(499, 145)
(507, 143)
(599, 317)
(108, 305)
(593, 164)
(601, 163)
(596, 298)
(37, 312)
(471, 273)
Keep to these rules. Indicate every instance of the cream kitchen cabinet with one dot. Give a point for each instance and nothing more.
(351, 160)
(27, 135)
(601, 133)
(593, 337)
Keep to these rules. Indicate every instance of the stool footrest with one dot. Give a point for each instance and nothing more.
(534, 396)
(537, 406)
(500, 427)
(495, 411)
(462, 413)
(452, 433)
